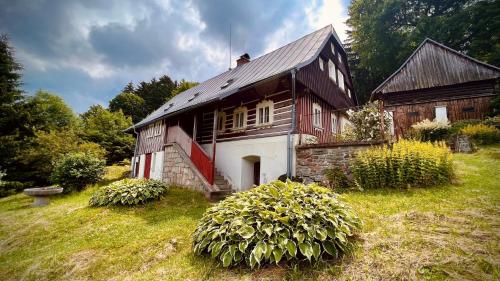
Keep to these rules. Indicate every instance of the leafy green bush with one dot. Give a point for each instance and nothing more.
(276, 221)
(432, 130)
(76, 170)
(365, 123)
(336, 178)
(482, 134)
(128, 192)
(407, 163)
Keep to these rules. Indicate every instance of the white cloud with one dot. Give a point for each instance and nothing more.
(324, 12)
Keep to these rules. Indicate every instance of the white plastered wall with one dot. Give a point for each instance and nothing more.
(271, 150)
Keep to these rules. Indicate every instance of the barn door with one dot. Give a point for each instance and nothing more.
(147, 166)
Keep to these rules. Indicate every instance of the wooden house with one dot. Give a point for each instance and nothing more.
(240, 128)
(437, 83)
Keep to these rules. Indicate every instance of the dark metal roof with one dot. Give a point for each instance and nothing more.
(278, 62)
(432, 65)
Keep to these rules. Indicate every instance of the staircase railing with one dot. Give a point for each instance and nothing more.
(196, 153)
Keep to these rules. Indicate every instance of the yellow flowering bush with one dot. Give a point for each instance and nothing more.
(407, 163)
(482, 134)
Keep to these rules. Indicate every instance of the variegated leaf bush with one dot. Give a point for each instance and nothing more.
(279, 221)
(407, 163)
(128, 192)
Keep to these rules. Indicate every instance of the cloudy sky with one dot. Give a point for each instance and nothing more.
(87, 50)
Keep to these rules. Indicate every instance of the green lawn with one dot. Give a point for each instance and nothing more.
(448, 232)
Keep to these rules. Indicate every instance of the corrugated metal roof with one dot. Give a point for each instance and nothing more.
(432, 65)
(293, 55)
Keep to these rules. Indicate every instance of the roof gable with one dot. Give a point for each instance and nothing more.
(432, 65)
(293, 55)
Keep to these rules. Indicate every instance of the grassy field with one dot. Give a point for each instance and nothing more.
(447, 232)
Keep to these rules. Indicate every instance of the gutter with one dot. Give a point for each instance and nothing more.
(135, 152)
(289, 139)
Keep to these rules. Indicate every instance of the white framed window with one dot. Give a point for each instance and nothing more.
(333, 48)
(264, 111)
(331, 71)
(349, 93)
(441, 115)
(221, 121)
(321, 64)
(339, 57)
(317, 115)
(390, 115)
(334, 123)
(341, 79)
(157, 131)
(240, 118)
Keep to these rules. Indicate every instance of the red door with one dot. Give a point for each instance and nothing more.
(147, 166)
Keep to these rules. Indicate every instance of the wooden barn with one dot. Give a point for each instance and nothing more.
(240, 128)
(437, 83)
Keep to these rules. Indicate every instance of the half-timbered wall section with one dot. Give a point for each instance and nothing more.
(151, 138)
(279, 124)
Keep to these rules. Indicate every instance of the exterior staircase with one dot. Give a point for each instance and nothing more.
(222, 188)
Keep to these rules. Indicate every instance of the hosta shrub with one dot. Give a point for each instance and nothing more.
(76, 170)
(279, 221)
(407, 163)
(482, 134)
(128, 192)
(432, 130)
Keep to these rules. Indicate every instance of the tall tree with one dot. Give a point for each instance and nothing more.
(105, 128)
(182, 86)
(131, 104)
(156, 92)
(12, 129)
(385, 32)
(129, 88)
(49, 112)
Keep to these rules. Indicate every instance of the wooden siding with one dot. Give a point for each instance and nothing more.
(406, 115)
(434, 65)
(320, 83)
(458, 91)
(148, 142)
(305, 117)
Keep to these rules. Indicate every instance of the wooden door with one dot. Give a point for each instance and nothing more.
(147, 166)
(256, 173)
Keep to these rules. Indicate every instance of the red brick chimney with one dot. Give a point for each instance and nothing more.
(243, 59)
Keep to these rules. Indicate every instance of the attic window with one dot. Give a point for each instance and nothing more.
(169, 106)
(194, 96)
(228, 82)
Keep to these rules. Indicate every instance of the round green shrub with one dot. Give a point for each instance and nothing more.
(128, 192)
(74, 171)
(274, 222)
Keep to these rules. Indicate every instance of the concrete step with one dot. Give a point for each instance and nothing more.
(215, 196)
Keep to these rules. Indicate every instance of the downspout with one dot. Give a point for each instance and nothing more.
(132, 173)
(292, 129)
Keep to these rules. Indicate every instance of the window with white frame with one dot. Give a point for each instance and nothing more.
(240, 118)
(221, 121)
(264, 111)
(389, 114)
(341, 79)
(331, 71)
(321, 64)
(333, 48)
(339, 57)
(334, 123)
(316, 115)
(441, 115)
(349, 93)
(157, 130)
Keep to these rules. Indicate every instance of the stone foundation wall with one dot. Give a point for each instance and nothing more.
(179, 170)
(313, 159)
